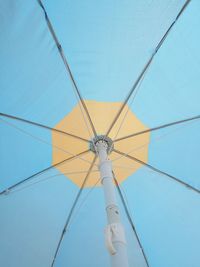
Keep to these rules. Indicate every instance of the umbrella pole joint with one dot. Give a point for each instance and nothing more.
(114, 232)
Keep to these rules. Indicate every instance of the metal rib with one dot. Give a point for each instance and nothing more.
(158, 127)
(157, 170)
(61, 52)
(42, 140)
(130, 219)
(42, 126)
(129, 95)
(49, 178)
(146, 67)
(7, 190)
(72, 210)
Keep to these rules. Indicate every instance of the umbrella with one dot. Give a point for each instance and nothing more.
(99, 116)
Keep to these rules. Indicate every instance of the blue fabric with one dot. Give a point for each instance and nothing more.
(107, 44)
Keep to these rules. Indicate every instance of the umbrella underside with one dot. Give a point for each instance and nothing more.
(72, 73)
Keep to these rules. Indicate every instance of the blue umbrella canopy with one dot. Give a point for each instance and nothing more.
(72, 70)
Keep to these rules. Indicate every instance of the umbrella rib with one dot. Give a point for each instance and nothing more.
(51, 177)
(72, 210)
(7, 190)
(130, 219)
(42, 126)
(158, 128)
(42, 140)
(61, 52)
(146, 67)
(158, 171)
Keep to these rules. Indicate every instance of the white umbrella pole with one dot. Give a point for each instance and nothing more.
(115, 237)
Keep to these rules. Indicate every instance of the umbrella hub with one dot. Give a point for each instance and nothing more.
(101, 138)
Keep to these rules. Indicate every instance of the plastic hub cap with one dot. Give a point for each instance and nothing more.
(104, 138)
